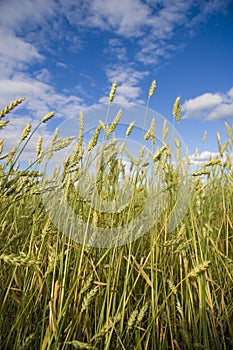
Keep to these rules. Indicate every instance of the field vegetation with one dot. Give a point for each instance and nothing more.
(161, 291)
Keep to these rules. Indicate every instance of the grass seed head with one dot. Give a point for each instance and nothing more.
(142, 313)
(213, 162)
(115, 121)
(152, 88)
(112, 92)
(147, 135)
(201, 172)
(1, 146)
(204, 137)
(132, 319)
(11, 155)
(88, 298)
(81, 129)
(129, 129)
(92, 143)
(25, 132)
(39, 144)
(55, 135)
(198, 270)
(2, 124)
(11, 107)
(177, 109)
(47, 117)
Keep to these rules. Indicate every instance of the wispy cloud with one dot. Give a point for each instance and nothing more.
(128, 79)
(22, 62)
(117, 50)
(138, 32)
(209, 106)
(16, 53)
(18, 15)
(127, 18)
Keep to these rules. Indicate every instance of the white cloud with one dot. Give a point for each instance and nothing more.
(222, 111)
(128, 79)
(198, 160)
(150, 23)
(41, 98)
(19, 57)
(117, 50)
(155, 22)
(203, 157)
(18, 15)
(126, 18)
(61, 64)
(15, 53)
(210, 106)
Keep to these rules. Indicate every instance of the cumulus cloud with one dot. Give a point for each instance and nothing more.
(197, 161)
(19, 57)
(203, 157)
(27, 29)
(128, 79)
(41, 98)
(209, 106)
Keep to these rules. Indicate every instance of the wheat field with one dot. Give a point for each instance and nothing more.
(160, 291)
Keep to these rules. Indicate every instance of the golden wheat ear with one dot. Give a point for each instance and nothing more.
(11, 107)
(112, 92)
(177, 109)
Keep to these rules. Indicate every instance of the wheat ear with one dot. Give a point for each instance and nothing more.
(11, 107)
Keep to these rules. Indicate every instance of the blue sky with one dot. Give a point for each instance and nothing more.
(63, 56)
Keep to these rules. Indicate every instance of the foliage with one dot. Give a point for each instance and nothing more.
(163, 291)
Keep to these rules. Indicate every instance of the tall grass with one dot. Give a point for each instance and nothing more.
(162, 291)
